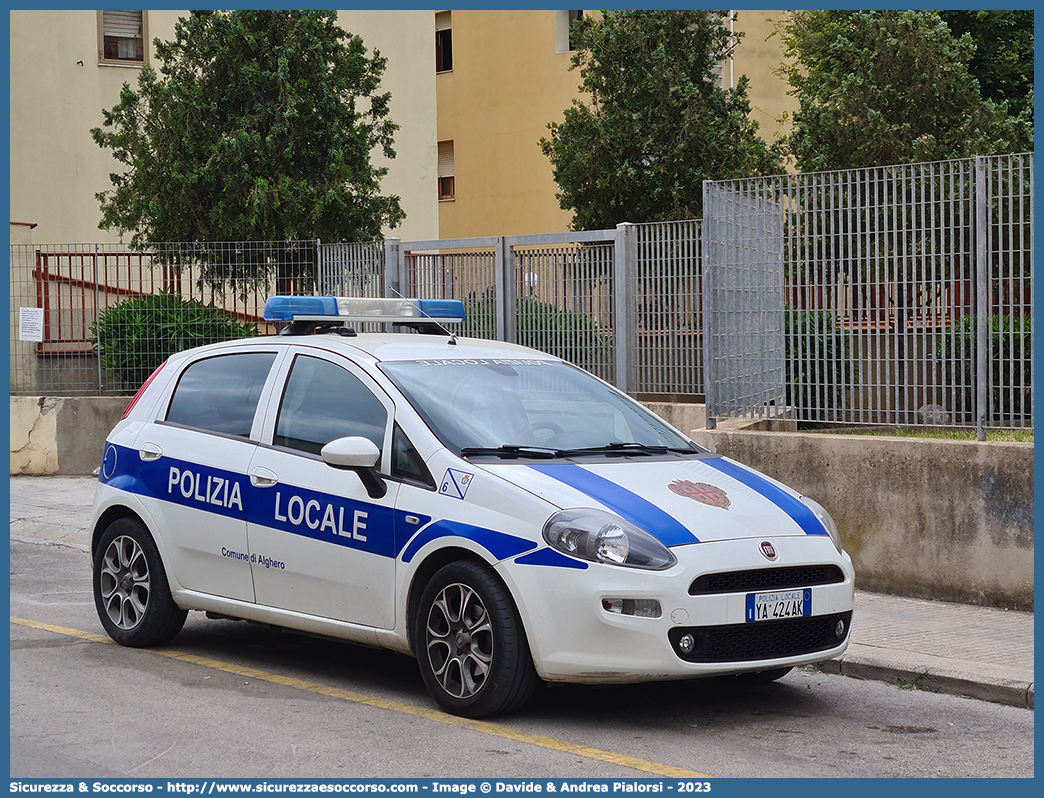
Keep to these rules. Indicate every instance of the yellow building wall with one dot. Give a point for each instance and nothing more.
(507, 83)
(758, 55)
(510, 78)
(58, 91)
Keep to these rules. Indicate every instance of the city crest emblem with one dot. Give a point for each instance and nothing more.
(701, 492)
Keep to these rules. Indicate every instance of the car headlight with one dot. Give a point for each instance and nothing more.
(599, 536)
(825, 519)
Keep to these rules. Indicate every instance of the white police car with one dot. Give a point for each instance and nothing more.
(496, 512)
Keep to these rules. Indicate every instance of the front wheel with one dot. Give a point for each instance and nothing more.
(130, 587)
(470, 644)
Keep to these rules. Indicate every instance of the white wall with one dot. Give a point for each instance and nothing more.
(58, 91)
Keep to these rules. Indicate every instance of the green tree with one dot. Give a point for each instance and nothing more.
(886, 87)
(1003, 58)
(259, 126)
(654, 124)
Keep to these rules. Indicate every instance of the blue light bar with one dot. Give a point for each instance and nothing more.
(284, 308)
(330, 308)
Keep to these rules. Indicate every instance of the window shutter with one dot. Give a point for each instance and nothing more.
(442, 20)
(445, 159)
(122, 24)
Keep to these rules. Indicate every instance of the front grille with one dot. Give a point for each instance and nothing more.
(759, 640)
(766, 579)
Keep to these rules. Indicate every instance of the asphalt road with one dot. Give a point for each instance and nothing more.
(229, 699)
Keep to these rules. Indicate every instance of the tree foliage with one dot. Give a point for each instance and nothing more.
(1003, 58)
(653, 124)
(259, 126)
(886, 87)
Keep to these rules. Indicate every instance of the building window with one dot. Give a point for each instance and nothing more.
(446, 191)
(563, 24)
(121, 37)
(718, 74)
(573, 17)
(443, 42)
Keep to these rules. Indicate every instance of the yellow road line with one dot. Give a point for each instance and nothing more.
(494, 729)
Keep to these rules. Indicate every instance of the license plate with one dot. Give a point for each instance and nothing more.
(779, 604)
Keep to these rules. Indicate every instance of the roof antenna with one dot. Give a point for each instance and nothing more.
(452, 335)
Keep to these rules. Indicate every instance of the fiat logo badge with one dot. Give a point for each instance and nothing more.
(768, 550)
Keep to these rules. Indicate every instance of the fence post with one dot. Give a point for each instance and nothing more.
(624, 255)
(710, 318)
(392, 273)
(504, 271)
(96, 314)
(982, 299)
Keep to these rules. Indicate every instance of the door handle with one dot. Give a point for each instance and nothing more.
(263, 478)
(149, 452)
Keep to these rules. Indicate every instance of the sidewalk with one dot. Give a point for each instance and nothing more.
(931, 645)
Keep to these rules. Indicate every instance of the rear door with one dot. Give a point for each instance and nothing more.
(193, 461)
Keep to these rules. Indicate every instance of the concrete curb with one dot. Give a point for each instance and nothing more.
(933, 674)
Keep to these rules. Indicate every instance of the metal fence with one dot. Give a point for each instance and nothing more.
(59, 293)
(844, 297)
(550, 292)
(904, 295)
(668, 311)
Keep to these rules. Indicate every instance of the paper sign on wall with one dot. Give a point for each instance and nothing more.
(30, 324)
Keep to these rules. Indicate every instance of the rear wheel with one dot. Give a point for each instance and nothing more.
(470, 645)
(131, 591)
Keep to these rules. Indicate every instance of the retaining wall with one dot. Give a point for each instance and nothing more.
(61, 435)
(939, 519)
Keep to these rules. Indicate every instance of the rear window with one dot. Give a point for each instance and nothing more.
(220, 394)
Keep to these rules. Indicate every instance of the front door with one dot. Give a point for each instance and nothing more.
(320, 544)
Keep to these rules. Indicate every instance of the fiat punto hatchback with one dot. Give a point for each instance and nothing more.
(496, 512)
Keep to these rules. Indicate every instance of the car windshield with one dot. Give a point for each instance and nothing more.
(517, 407)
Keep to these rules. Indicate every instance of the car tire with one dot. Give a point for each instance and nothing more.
(131, 591)
(470, 644)
(764, 677)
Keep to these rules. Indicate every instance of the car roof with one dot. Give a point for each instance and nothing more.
(388, 347)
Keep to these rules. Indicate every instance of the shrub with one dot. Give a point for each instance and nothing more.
(1010, 368)
(135, 336)
(819, 369)
(540, 325)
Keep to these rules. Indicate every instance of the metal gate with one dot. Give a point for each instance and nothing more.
(743, 303)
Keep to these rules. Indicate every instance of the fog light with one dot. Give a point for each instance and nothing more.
(641, 608)
(686, 643)
(840, 630)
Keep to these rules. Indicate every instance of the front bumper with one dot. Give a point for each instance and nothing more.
(574, 639)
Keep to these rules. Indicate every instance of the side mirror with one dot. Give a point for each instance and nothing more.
(352, 452)
(359, 455)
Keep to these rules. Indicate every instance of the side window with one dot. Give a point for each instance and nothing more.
(220, 394)
(406, 461)
(323, 401)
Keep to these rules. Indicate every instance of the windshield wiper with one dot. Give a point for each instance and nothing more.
(619, 447)
(509, 450)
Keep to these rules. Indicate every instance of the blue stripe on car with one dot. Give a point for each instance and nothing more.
(629, 506)
(499, 544)
(299, 511)
(550, 557)
(800, 512)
